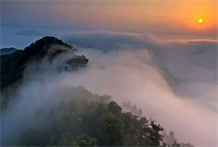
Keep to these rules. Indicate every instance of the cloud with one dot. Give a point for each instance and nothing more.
(31, 32)
(199, 51)
(182, 62)
(105, 41)
(127, 75)
(128, 66)
(188, 66)
(130, 75)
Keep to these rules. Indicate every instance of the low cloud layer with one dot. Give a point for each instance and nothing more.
(127, 66)
(193, 62)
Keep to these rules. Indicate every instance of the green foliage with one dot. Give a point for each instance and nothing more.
(85, 141)
(112, 127)
(91, 123)
(114, 108)
(86, 119)
(67, 139)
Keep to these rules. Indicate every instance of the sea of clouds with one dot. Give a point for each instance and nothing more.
(182, 97)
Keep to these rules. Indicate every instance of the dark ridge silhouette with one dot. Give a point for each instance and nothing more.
(13, 65)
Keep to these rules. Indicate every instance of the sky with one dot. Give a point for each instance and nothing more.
(164, 18)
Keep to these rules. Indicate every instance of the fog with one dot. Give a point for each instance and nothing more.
(131, 73)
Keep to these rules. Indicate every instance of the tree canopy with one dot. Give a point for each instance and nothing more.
(92, 123)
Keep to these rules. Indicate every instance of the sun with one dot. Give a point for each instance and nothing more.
(200, 20)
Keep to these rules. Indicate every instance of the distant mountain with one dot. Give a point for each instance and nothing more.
(5, 51)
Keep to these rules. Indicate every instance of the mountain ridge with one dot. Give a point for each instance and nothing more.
(13, 65)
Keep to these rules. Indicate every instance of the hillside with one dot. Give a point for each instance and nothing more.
(13, 65)
(5, 57)
(5, 51)
(83, 119)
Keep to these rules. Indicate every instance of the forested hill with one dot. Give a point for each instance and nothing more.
(5, 53)
(13, 65)
(90, 121)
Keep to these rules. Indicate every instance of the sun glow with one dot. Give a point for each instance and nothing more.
(200, 20)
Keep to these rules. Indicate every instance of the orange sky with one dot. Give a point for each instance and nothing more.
(171, 16)
(178, 17)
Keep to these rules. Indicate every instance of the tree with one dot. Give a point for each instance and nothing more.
(141, 134)
(176, 144)
(106, 98)
(126, 119)
(67, 139)
(171, 134)
(170, 138)
(85, 141)
(114, 108)
(71, 123)
(140, 112)
(154, 134)
(124, 106)
(128, 106)
(112, 127)
(134, 110)
(92, 123)
(187, 145)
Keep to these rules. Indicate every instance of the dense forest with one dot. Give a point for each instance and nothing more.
(92, 120)
(80, 119)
